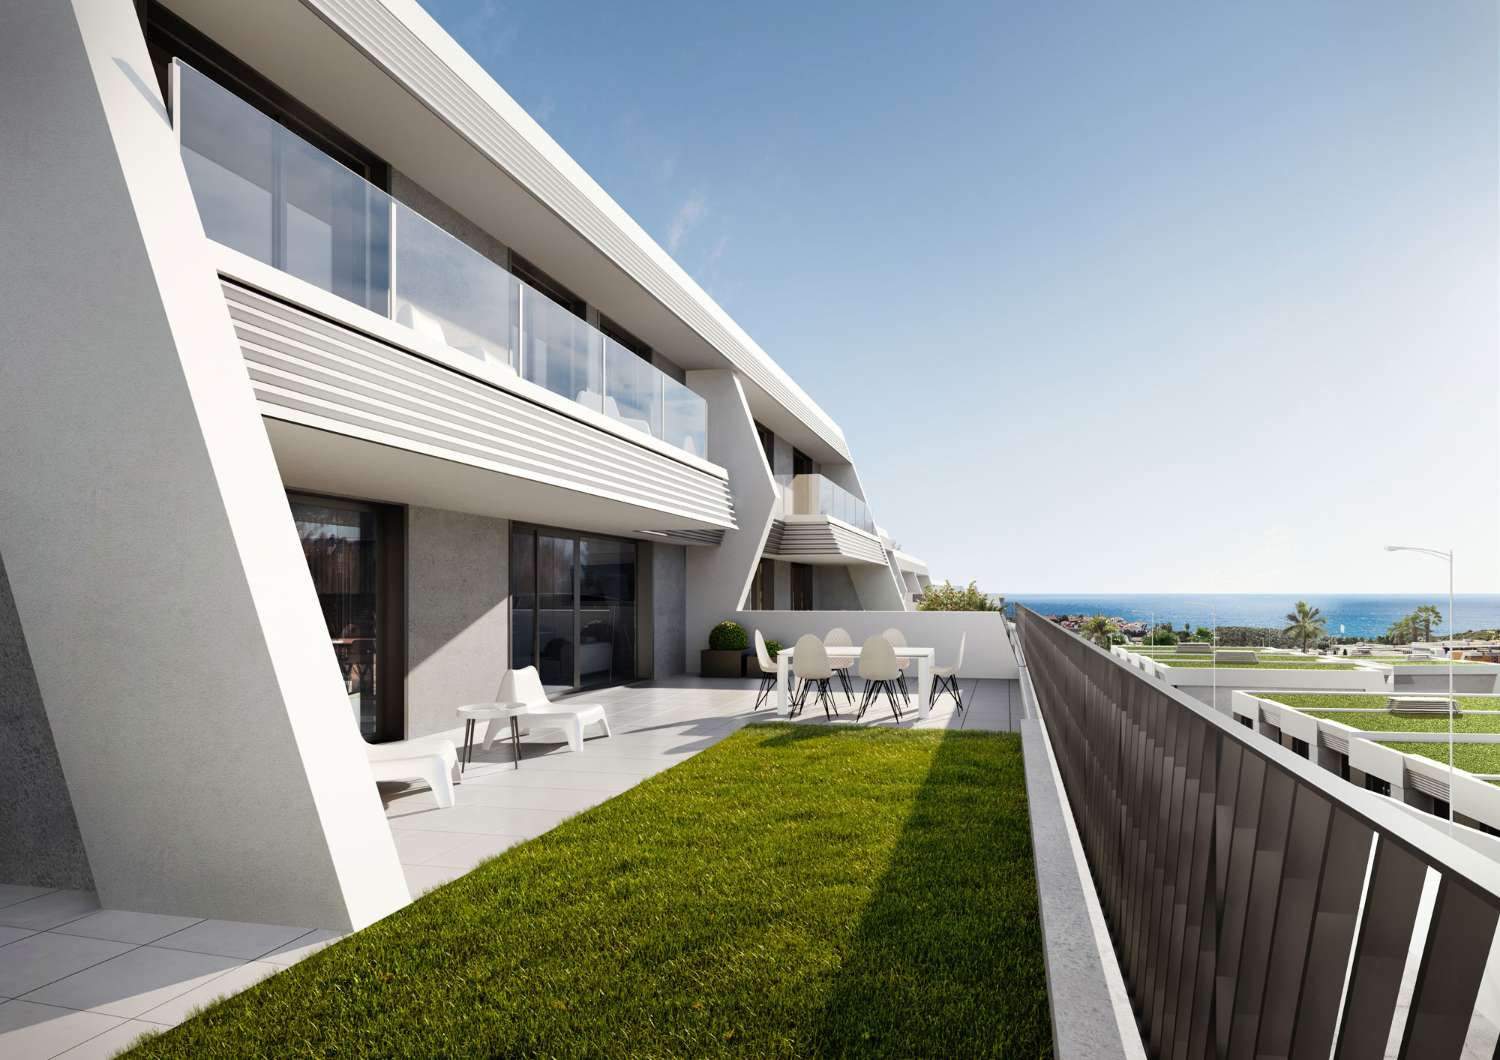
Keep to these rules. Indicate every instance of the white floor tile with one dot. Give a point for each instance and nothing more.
(472, 851)
(111, 1042)
(11, 893)
(118, 925)
(231, 938)
(232, 982)
(10, 934)
(49, 910)
(526, 798)
(30, 1031)
(414, 846)
(482, 820)
(303, 946)
(38, 959)
(614, 783)
(422, 878)
(132, 983)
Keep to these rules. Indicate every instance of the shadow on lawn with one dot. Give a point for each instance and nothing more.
(947, 958)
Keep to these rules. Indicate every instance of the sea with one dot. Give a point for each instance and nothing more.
(1347, 615)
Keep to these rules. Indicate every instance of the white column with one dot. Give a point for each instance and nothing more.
(186, 673)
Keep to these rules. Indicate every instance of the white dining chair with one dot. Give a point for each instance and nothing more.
(811, 660)
(945, 678)
(767, 670)
(879, 670)
(898, 640)
(838, 637)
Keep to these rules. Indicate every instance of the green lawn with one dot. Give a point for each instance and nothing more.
(1264, 662)
(1458, 664)
(1373, 716)
(792, 891)
(1474, 757)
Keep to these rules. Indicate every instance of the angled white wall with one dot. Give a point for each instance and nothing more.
(182, 660)
(718, 578)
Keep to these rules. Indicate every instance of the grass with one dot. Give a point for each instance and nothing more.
(1263, 662)
(792, 891)
(1474, 757)
(1458, 664)
(1373, 716)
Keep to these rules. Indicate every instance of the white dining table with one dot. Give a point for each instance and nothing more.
(837, 653)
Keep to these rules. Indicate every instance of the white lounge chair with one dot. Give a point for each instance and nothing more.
(432, 761)
(525, 686)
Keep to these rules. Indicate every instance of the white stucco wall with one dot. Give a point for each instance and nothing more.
(177, 642)
(719, 578)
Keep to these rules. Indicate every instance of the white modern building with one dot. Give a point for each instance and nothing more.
(331, 388)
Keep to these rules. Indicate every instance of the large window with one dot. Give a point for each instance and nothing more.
(573, 606)
(267, 192)
(355, 553)
(802, 587)
(767, 445)
(763, 587)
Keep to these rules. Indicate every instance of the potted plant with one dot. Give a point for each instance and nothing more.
(725, 654)
(773, 647)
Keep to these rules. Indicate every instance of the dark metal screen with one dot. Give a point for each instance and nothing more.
(1248, 915)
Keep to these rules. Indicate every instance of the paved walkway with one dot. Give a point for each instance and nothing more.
(77, 981)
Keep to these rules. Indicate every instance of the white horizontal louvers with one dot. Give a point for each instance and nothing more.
(353, 384)
(1427, 785)
(1334, 741)
(822, 537)
(372, 28)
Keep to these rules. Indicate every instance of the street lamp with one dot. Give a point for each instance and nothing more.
(1447, 557)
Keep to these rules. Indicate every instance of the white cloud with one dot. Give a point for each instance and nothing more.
(687, 217)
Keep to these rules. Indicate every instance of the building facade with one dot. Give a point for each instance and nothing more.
(332, 388)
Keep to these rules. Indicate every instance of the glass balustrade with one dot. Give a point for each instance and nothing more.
(271, 195)
(816, 495)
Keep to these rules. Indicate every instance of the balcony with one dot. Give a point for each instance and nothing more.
(817, 495)
(265, 192)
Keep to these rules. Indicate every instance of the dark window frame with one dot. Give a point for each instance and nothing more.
(169, 36)
(540, 281)
(767, 444)
(537, 530)
(803, 593)
(613, 331)
(390, 612)
(802, 464)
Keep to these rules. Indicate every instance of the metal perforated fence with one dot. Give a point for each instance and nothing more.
(1260, 907)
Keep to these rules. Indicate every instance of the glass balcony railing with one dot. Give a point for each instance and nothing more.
(816, 495)
(271, 195)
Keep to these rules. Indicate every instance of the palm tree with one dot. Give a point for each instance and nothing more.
(1305, 623)
(1402, 631)
(1099, 629)
(1426, 616)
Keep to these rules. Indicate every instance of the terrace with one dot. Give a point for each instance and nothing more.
(671, 888)
(98, 979)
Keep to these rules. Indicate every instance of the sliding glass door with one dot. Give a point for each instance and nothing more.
(573, 606)
(354, 553)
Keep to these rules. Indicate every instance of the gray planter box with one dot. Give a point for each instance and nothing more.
(723, 663)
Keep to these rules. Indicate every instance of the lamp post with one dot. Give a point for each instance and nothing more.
(1446, 556)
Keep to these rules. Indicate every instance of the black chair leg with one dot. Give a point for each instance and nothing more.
(848, 686)
(891, 695)
(767, 686)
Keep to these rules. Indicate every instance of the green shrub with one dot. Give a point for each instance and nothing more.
(773, 648)
(950, 597)
(728, 636)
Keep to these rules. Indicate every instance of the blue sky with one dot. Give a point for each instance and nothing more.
(1106, 297)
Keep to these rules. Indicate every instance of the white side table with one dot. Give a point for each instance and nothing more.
(477, 712)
